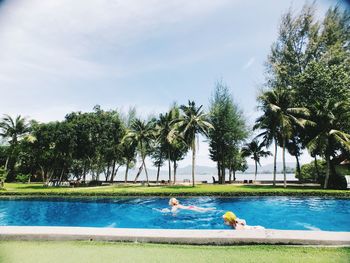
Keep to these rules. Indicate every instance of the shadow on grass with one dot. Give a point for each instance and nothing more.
(271, 187)
(36, 187)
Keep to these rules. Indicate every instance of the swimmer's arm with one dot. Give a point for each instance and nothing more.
(182, 207)
(241, 221)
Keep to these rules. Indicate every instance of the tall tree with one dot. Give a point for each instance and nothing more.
(164, 128)
(279, 102)
(192, 121)
(229, 129)
(269, 126)
(129, 145)
(143, 133)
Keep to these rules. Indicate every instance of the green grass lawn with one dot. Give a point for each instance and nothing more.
(84, 251)
(137, 190)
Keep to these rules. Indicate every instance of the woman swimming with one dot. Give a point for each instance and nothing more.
(239, 224)
(175, 205)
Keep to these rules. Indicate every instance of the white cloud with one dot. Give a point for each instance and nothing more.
(77, 38)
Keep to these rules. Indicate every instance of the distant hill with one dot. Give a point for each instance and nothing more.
(251, 168)
(213, 170)
(268, 168)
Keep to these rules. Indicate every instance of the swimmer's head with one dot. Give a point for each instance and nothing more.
(229, 217)
(173, 201)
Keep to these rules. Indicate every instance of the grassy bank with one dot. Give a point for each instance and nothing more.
(13, 189)
(28, 251)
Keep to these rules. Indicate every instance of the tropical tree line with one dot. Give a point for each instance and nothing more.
(306, 100)
(98, 143)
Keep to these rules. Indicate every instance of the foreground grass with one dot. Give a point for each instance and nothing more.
(84, 251)
(137, 190)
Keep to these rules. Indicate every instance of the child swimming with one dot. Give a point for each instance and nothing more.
(239, 224)
(175, 205)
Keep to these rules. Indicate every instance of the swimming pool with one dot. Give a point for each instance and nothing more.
(289, 213)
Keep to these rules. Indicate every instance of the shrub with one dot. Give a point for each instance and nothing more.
(23, 178)
(309, 172)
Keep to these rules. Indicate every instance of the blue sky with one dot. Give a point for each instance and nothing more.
(63, 56)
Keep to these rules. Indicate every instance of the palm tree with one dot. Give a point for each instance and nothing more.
(13, 130)
(193, 121)
(142, 133)
(329, 137)
(129, 153)
(279, 102)
(164, 129)
(268, 123)
(256, 151)
(128, 145)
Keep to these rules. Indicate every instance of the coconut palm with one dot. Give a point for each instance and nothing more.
(279, 102)
(128, 145)
(329, 137)
(268, 123)
(256, 151)
(164, 129)
(13, 130)
(142, 133)
(192, 122)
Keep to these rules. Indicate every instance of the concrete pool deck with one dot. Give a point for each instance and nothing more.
(177, 236)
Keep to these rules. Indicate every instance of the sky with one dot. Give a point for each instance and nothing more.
(62, 56)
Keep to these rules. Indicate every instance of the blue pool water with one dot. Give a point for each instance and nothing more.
(311, 213)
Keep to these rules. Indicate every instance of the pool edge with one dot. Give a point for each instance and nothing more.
(178, 236)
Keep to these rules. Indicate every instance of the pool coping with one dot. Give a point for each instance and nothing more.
(176, 236)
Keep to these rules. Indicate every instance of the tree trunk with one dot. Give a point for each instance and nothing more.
(234, 175)
(219, 172)
(284, 164)
(256, 170)
(230, 176)
(316, 168)
(42, 174)
(139, 172)
(7, 162)
(174, 172)
(144, 164)
(298, 166)
(107, 173)
(113, 171)
(223, 177)
(60, 180)
(169, 165)
(158, 171)
(275, 164)
(193, 159)
(328, 160)
(126, 171)
(84, 172)
(49, 175)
